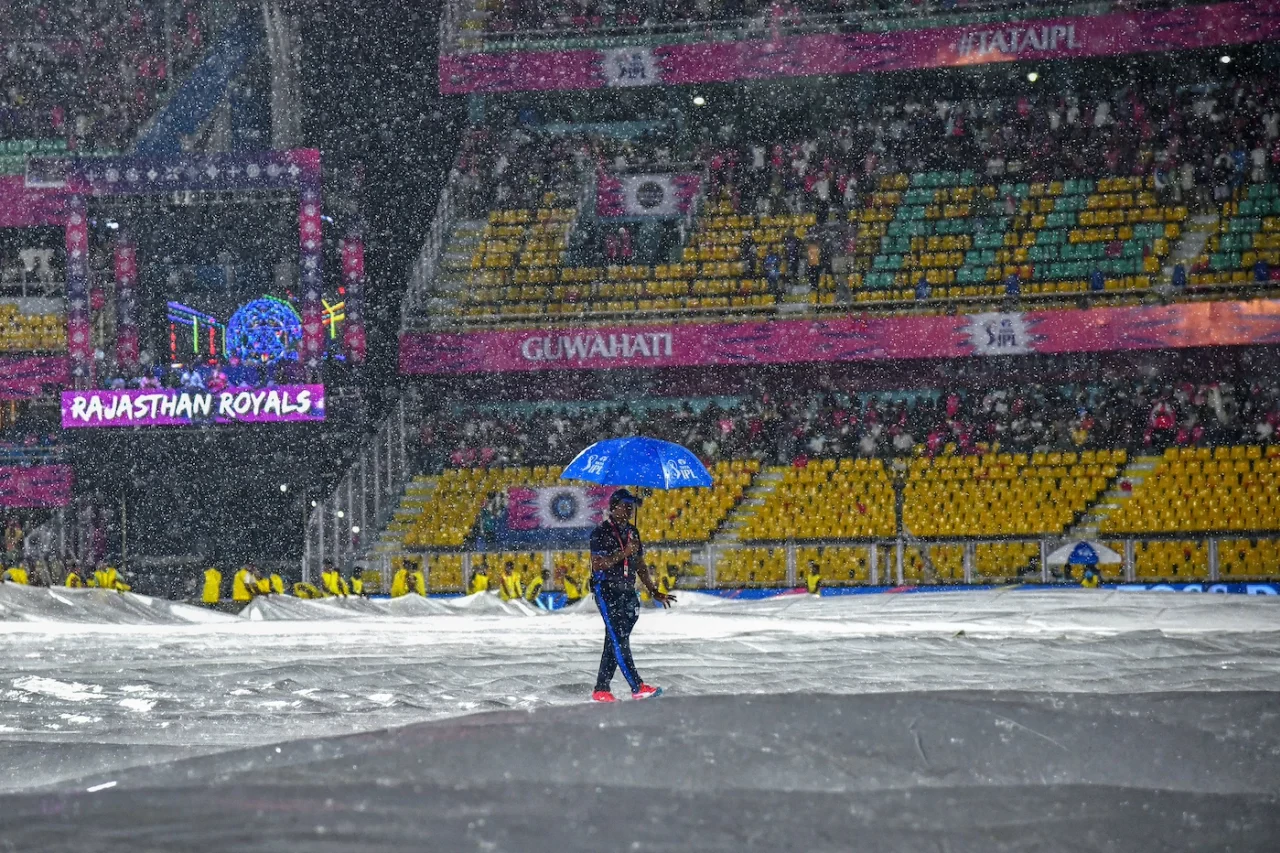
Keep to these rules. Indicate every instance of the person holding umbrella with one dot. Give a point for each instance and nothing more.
(617, 555)
(617, 559)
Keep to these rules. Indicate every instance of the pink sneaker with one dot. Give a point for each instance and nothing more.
(646, 692)
(602, 696)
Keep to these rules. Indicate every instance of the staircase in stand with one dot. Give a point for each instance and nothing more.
(795, 299)
(417, 494)
(1191, 245)
(1138, 469)
(455, 270)
(764, 484)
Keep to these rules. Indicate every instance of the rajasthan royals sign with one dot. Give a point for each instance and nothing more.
(188, 407)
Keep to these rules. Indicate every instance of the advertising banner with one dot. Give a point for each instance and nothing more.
(191, 172)
(24, 377)
(126, 302)
(310, 258)
(1192, 324)
(1186, 27)
(186, 407)
(79, 340)
(38, 487)
(22, 206)
(353, 279)
(646, 195)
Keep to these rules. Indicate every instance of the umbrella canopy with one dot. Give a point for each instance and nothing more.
(1083, 554)
(638, 461)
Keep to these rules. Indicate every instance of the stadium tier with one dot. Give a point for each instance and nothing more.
(924, 240)
(1005, 494)
(89, 74)
(827, 499)
(443, 511)
(1247, 245)
(1204, 489)
(767, 524)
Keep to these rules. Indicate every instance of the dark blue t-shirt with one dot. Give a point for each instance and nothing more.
(608, 540)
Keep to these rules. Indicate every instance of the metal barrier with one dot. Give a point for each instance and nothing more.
(340, 526)
(422, 277)
(455, 39)
(1225, 556)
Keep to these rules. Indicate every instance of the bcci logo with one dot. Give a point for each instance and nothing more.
(650, 194)
(564, 506)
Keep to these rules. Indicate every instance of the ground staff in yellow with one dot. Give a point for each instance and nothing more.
(573, 587)
(106, 577)
(333, 583)
(407, 581)
(813, 579)
(212, 592)
(479, 581)
(534, 589)
(244, 585)
(511, 588)
(15, 574)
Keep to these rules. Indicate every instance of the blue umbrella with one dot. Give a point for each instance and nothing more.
(1083, 554)
(638, 461)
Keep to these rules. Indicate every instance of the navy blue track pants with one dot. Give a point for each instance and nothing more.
(620, 608)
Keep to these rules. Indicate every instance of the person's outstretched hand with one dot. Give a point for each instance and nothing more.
(665, 599)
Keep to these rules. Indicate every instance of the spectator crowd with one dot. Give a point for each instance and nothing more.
(90, 71)
(1198, 141)
(1139, 414)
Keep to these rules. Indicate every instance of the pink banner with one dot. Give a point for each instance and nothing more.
(353, 279)
(22, 378)
(27, 207)
(42, 487)
(1194, 324)
(1185, 28)
(126, 302)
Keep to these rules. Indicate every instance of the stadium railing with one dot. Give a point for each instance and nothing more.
(341, 525)
(427, 265)
(1166, 559)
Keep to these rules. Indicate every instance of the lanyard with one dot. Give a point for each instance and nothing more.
(622, 543)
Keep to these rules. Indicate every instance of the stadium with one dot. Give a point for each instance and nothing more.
(964, 315)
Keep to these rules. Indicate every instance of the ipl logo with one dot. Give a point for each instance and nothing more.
(1000, 334)
(630, 66)
(677, 470)
(595, 464)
